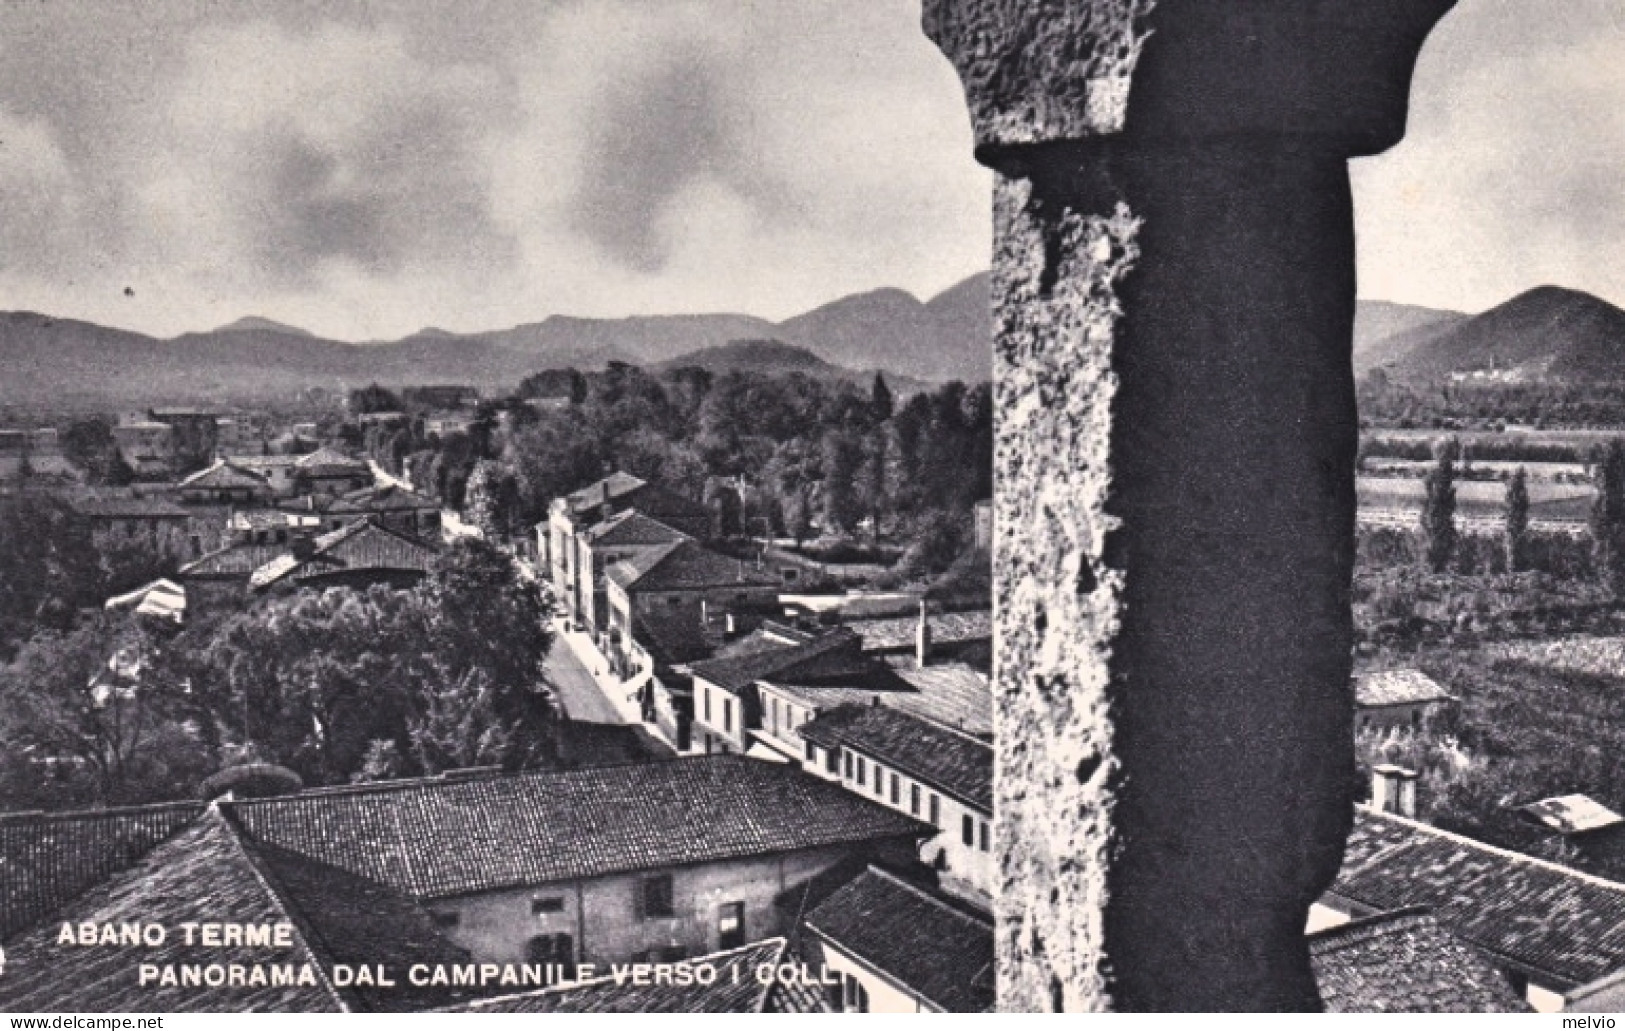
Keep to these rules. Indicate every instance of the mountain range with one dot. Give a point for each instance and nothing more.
(46, 360)
(1549, 333)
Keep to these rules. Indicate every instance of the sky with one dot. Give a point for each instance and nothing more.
(364, 168)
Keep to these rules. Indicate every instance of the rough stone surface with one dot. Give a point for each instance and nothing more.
(1173, 289)
(1040, 70)
(1057, 602)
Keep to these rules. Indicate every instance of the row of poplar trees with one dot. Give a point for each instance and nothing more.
(1606, 523)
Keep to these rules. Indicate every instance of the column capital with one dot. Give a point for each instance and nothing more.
(1041, 73)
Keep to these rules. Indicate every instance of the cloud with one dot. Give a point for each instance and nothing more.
(39, 209)
(282, 155)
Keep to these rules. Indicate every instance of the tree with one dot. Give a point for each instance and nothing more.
(373, 398)
(1439, 507)
(842, 456)
(1517, 521)
(1608, 513)
(89, 446)
(880, 399)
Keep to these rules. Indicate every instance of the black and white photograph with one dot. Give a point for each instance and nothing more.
(855, 506)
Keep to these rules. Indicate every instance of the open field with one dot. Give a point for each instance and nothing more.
(1549, 502)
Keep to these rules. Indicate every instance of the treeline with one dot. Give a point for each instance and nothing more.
(1487, 405)
(786, 455)
(337, 686)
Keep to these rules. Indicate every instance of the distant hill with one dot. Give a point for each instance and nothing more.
(1385, 332)
(46, 360)
(255, 324)
(1546, 333)
(775, 357)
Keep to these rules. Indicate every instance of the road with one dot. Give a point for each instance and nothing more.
(579, 693)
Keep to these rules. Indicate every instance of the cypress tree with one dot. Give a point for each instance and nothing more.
(1517, 521)
(1439, 507)
(1608, 513)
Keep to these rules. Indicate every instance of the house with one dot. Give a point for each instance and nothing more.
(1590, 827)
(1557, 934)
(225, 483)
(570, 515)
(359, 555)
(194, 436)
(930, 636)
(329, 472)
(896, 947)
(921, 768)
(736, 987)
(36, 454)
(681, 579)
(161, 526)
(1389, 699)
(390, 505)
(146, 446)
(727, 705)
(1404, 962)
(620, 538)
(516, 872)
(278, 471)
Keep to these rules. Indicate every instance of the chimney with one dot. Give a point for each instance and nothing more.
(1393, 790)
(922, 639)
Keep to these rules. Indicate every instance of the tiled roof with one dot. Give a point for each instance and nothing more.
(954, 763)
(834, 654)
(130, 508)
(47, 860)
(685, 566)
(224, 476)
(232, 561)
(632, 527)
(1573, 814)
(325, 461)
(735, 990)
(951, 694)
(433, 838)
(936, 949)
(387, 498)
(671, 637)
(615, 485)
(1398, 687)
(946, 628)
(202, 874)
(1403, 962)
(363, 545)
(1544, 918)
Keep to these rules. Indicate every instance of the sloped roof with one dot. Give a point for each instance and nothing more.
(234, 560)
(363, 545)
(1398, 687)
(1546, 919)
(611, 487)
(951, 694)
(202, 874)
(224, 475)
(671, 637)
(49, 859)
(130, 508)
(937, 949)
(946, 628)
(953, 763)
(434, 838)
(164, 599)
(685, 566)
(835, 653)
(625, 529)
(326, 461)
(1404, 962)
(735, 990)
(1573, 814)
(390, 497)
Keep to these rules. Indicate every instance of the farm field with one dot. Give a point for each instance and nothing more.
(1477, 500)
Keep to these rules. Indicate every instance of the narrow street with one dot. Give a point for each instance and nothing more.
(579, 694)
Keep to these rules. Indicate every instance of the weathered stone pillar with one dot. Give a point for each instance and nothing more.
(1174, 292)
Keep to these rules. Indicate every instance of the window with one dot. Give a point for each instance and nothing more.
(773, 713)
(967, 830)
(731, 926)
(549, 904)
(880, 780)
(913, 800)
(705, 704)
(848, 756)
(728, 715)
(832, 762)
(863, 772)
(654, 897)
(985, 835)
(895, 788)
(936, 811)
(811, 752)
(445, 920)
(551, 948)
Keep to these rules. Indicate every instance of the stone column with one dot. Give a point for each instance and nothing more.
(1173, 289)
